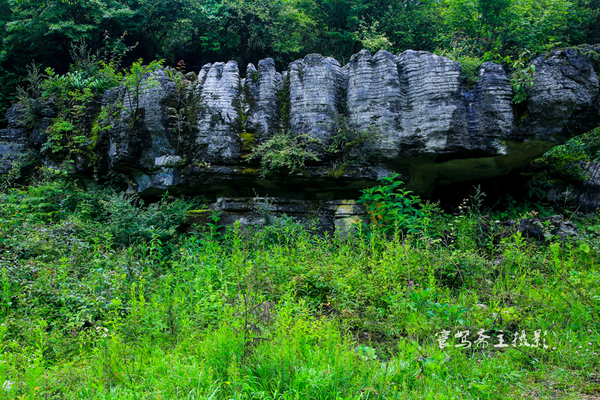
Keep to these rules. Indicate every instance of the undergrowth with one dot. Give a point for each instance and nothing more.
(104, 297)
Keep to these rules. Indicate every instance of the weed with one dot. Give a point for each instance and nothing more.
(393, 209)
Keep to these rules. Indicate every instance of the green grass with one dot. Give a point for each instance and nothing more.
(103, 299)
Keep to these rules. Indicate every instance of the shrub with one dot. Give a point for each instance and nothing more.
(393, 208)
(285, 153)
(130, 221)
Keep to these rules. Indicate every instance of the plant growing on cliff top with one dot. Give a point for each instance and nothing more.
(138, 79)
(185, 106)
(30, 97)
(285, 153)
(522, 76)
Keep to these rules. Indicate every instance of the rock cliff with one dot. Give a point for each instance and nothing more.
(412, 111)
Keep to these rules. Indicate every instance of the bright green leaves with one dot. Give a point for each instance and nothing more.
(74, 99)
(137, 79)
(522, 79)
(394, 209)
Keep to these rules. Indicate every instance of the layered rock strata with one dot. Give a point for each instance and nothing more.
(412, 113)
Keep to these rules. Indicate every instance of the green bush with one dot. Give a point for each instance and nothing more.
(285, 153)
(130, 221)
(394, 209)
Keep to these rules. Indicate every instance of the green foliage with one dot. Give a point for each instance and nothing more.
(284, 153)
(394, 209)
(100, 297)
(522, 76)
(127, 219)
(582, 147)
(564, 167)
(505, 27)
(214, 228)
(74, 99)
(469, 64)
(371, 39)
(31, 97)
(136, 80)
(20, 165)
(130, 221)
(348, 139)
(185, 107)
(281, 230)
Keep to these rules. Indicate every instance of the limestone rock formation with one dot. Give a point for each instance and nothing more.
(263, 87)
(140, 133)
(420, 120)
(218, 138)
(375, 101)
(316, 84)
(582, 195)
(13, 142)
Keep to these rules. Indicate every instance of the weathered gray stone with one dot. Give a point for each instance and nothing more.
(262, 88)
(13, 141)
(142, 132)
(375, 101)
(348, 216)
(335, 217)
(425, 123)
(538, 228)
(218, 125)
(12, 148)
(564, 92)
(433, 114)
(169, 161)
(491, 116)
(154, 182)
(316, 85)
(582, 195)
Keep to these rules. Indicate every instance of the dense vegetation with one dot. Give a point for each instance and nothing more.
(201, 31)
(105, 296)
(102, 296)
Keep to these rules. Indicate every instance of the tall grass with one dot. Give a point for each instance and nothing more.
(93, 307)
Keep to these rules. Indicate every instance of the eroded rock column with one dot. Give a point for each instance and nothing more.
(316, 86)
(218, 124)
(262, 88)
(374, 101)
(434, 119)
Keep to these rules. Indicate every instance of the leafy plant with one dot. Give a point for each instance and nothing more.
(284, 153)
(30, 97)
(522, 76)
(214, 229)
(186, 105)
(137, 79)
(393, 208)
(469, 63)
(347, 137)
(130, 221)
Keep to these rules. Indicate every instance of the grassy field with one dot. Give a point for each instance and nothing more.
(102, 297)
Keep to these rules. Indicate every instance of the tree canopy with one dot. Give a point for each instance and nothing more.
(201, 31)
